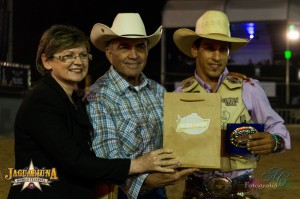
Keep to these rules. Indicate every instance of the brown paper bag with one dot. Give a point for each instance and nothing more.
(192, 128)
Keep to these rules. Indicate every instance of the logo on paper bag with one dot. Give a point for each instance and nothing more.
(192, 124)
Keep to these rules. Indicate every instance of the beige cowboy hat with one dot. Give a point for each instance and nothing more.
(212, 24)
(125, 25)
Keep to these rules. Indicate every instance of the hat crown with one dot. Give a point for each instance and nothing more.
(126, 24)
(213, 22)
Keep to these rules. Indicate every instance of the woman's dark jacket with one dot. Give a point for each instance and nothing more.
(53, 133)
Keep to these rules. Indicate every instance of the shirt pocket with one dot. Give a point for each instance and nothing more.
(130, 138)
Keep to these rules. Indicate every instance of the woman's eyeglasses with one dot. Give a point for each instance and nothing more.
(84, 57)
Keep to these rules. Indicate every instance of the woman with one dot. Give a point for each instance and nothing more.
(52, 130)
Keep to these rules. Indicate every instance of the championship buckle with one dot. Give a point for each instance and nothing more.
(218, 186)
(237, 137)
(240, 136)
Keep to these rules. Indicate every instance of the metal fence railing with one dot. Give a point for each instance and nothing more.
(290, 116)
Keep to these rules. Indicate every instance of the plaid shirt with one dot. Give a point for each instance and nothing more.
(127, 120)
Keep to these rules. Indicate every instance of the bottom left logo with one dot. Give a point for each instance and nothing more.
(31, 177)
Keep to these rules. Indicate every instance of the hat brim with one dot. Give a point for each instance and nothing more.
(184, 39)
(101, 34)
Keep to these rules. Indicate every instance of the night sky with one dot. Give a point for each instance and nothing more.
(32, 17)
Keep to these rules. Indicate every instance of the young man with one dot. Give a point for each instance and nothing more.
(243, 101)
(126, 107)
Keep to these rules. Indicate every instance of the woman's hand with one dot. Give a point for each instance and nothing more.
(161, 160)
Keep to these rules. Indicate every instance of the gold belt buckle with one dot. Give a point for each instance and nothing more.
(218, 186)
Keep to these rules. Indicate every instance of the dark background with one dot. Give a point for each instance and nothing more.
(32, 17)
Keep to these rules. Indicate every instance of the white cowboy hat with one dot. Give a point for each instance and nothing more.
(125, 25)
(212, 24)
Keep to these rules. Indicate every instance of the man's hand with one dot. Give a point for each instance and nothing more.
(261, 143)
(156, 180)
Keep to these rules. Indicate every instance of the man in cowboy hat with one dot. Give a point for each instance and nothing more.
(243, 101)
(126, 107)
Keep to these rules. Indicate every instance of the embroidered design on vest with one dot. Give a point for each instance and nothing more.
(231, 101)
(225, 115)
(234, 80)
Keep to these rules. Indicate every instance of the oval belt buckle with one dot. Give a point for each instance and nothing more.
(218, 186)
